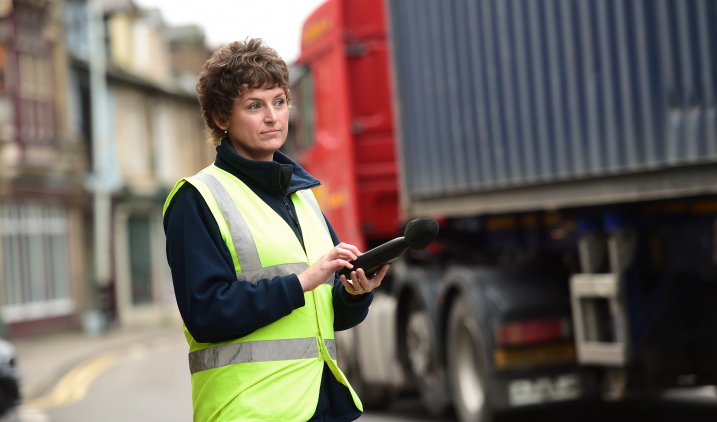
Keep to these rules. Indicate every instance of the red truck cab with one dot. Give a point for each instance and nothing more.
(342, 123)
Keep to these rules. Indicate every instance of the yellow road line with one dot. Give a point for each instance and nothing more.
(73, 386)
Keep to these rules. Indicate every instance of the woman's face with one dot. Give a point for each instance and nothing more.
(258, 124)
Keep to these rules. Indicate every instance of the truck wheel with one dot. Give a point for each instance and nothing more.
(429, 374)
(372, 397)
(467, 366)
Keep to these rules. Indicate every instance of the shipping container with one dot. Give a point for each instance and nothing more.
(499, 95)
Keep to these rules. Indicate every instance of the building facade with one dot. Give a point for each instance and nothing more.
(41, 176)
(154, 137)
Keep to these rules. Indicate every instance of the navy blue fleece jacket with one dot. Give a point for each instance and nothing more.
(214, 305)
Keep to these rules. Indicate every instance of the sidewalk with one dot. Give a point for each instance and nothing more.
(44, 360)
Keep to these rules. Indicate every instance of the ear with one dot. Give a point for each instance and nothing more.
(222, 124)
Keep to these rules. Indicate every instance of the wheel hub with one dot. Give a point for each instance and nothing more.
(418, 340)
(471, 390)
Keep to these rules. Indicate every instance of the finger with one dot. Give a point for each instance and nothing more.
(337, 264)
(368, 284)
(345, 253)
(376, 280)
(349, 288)
(361, 281)
(356, 284)
(350, 247)
(355, 288)
(382, 272)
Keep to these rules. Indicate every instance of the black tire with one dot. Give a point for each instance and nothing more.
(372, 397)
(429, 374)
(467, 366)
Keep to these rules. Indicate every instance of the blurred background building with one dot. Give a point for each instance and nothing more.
(153, 136)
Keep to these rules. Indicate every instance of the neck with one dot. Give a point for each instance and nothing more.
(249, 156)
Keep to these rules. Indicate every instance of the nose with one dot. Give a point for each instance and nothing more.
(270, 115)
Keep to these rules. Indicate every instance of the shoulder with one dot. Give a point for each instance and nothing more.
(186, 202)
(189, 216)
(185, 194)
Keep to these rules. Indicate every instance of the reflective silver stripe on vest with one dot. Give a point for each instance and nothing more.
(315, 206)
(244, 245)
(257, 351)
(253, 277)
(331, 348)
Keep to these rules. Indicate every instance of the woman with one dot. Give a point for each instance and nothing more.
(254, 260)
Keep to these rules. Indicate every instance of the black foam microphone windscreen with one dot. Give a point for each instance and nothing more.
(420, 232)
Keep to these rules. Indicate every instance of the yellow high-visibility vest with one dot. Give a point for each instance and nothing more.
(274, 373)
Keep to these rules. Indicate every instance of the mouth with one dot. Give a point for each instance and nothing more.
(271, 132)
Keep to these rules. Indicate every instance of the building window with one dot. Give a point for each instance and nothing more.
(35, 88)
(35, 258)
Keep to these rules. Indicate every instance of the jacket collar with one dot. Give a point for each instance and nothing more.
(279, 177)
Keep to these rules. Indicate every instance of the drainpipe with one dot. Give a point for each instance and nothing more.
(96, 320)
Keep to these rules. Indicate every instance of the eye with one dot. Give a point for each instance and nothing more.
(253, 106)
(280, 102)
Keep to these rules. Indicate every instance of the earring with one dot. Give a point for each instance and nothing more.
(225, 132)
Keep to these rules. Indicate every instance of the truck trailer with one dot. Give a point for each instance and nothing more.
(568, 149)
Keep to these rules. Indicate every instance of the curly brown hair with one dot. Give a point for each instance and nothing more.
(232, 71)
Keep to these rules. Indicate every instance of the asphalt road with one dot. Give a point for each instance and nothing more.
(408, 409)
(149, 382)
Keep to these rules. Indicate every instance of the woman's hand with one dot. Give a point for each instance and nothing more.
(360, 284)
(327, 265)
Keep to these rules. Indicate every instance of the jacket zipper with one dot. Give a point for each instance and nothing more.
(319, 336)
(288, 208)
